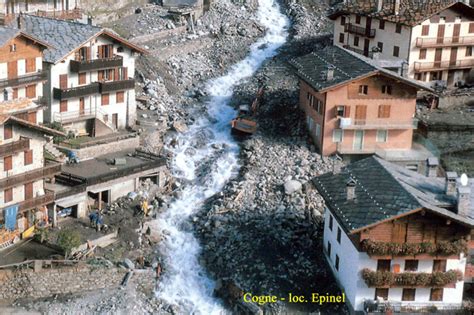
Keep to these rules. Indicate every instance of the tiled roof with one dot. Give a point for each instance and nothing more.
(7, 34)
(383, 190)
(64, 36)
(412, 12)
(347, 65)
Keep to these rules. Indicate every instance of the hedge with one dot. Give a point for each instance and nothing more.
(444, 248)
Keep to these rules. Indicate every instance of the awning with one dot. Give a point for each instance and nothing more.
(71, 201)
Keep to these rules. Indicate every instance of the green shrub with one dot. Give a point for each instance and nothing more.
(68, 239)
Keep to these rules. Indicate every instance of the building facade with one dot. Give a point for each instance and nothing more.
(60, 9)
(398, 256)
(353, 107)
(431, 40)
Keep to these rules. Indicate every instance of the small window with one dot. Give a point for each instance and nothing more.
(398, 28)
(436, 294)
(7, 132)
(422, 54)
(439, 265)
(408, 294)
(471, 27)
(343, 20)
(357, 19)
(380, 46)
(381, 293)
(329, 249)
(120, 97)
(387, 89)
(13, 48)
(381, 24)
(339, 235)
(396, 51)
(331, 222)
(468, 51)
(105, 99)
(356, 40)
(425, 30)
(337, 263)
(8, 195)
(363, 89)
(28, 157)
(383, 264)
(337, 135)
(340, 111)
(411, 265)
(341, 37)
(382, 136)
(7, 163)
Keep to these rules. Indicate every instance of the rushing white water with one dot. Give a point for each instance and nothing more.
(206, 156)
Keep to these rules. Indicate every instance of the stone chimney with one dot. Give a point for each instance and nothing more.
(396, 9)
(330, 73)
(432, 164)
(464, 202)
(350, 189)
(8, 94)
(379, 5)
(451, 183)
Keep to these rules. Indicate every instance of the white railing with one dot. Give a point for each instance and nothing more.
(87, 113)
(387, 123)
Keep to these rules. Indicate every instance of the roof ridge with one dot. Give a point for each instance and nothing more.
(61, 20)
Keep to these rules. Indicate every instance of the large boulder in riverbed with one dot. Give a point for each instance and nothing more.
(292, 186)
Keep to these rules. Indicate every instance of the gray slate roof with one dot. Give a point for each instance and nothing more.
(383, 190)
(64, 36)
(347, 65)
(7, 34)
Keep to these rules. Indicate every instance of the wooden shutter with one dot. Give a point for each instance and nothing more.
(12, 69)
(381, 293)
(425, 30)
(110, 51)
(82, 78)
(63, 106)
(28, 157)
(361, 112)
(408, 294)
(116, 74)
(456, 32)
(88, 53)
(30, 65)
(8, 163)
(471, 27)
(384, 111)
(347, 111)
(439, 265)
(100, 51)
(8, 195)
(28, 191)
(100, 75)
(32, 117)
(31, 91)
(436, 294)
(125, 73)
(15, 93)
(63, 81)
(399, 232)
(105, 99)
(422, 53)
(440, 36)
(120, 97)
(7, 132)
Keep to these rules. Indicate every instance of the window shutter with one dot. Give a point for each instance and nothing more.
(116, 74)
(125, 73)
(63, 81)
(471, 27)
(347, 111)
(28, 191)
(88, 53)
(8, 195)
(28, 157)
(100, 51)
(7, 132)
(7, 163)
(111, 51)
(63, 106)
(425, 30)
(100, 75)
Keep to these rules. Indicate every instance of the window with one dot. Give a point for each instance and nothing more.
(387, 89)
(396, 51)
(341, 37)
(28, 191)
(63, 106)
(7, 132)
(422, 54)
(442, 19)
(398, 28)
(310, 122)
(8, 195)
(382, 136)
(380, 46)
(30, 65)
(339, 235)
(120, 97)
(317, 132)
(384, 111)
(337, 263)
(83, 54)
(337, 135)
(357, 19)
(408, 294)
(331, 222)
(363, 89)
(356, 40)
(105, 51)
(468, 51)
(105, 99)
(436, 294)
(425, 30)
(340, 111)
(343, 20)
(329, 249)
(31, 91)
(471, 27)
(411, 265)
(381, 24)
(13, 48)
(383, 264)
(28, 157)
(381, 293)
(63, 81)
(7, 163)
(439, 265)
(82, 78)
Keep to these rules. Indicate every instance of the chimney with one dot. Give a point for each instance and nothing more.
(451, 183)
(379, 5)
(350, 189)
(337, 164)
(330, 73)
(432, 164)
(396, 10)
(8, 94)
(464, 198)
(376, 53)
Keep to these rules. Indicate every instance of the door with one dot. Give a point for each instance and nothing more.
(28, 191)
(360, 114)
(63, 81)
(453, 56)
(440, 36)
(12, 69)
(366, 47)
(456, 31)
(438, 55)
(82, 106)
(358, 139)
(115, 120)
(368, 25)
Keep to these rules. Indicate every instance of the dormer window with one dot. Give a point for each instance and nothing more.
(363, 89)
(13, 48)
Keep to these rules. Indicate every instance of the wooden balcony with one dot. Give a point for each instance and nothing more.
(359, 30)
(387, 123)
(369, 54)
(111, 86)
(409, 307)
(443, 65)
(35, 202)
(428, 42)
(96, 64)
(63, 94)
(71, 116)
(14, 147)
(23, 80)
(22, 178)
(73, 14)
(389, 279)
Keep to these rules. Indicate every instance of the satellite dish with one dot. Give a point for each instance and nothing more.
(464, 179)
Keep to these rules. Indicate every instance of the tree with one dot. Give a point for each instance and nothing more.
(42, 234)
(68, 239)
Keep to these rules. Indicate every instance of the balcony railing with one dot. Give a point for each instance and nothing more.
(33, 203)
(440, 248)
(111, 86)
(62, 94)
(73, 14)
(23, 80)
(352, 124)
(71, 116)
(391, 279)
(350, 148)
(426, 42)
(383, 307)
(358, 30)
(369, 54)
(15, 180)
(14, 147)
(444, 65)
(96, 64)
